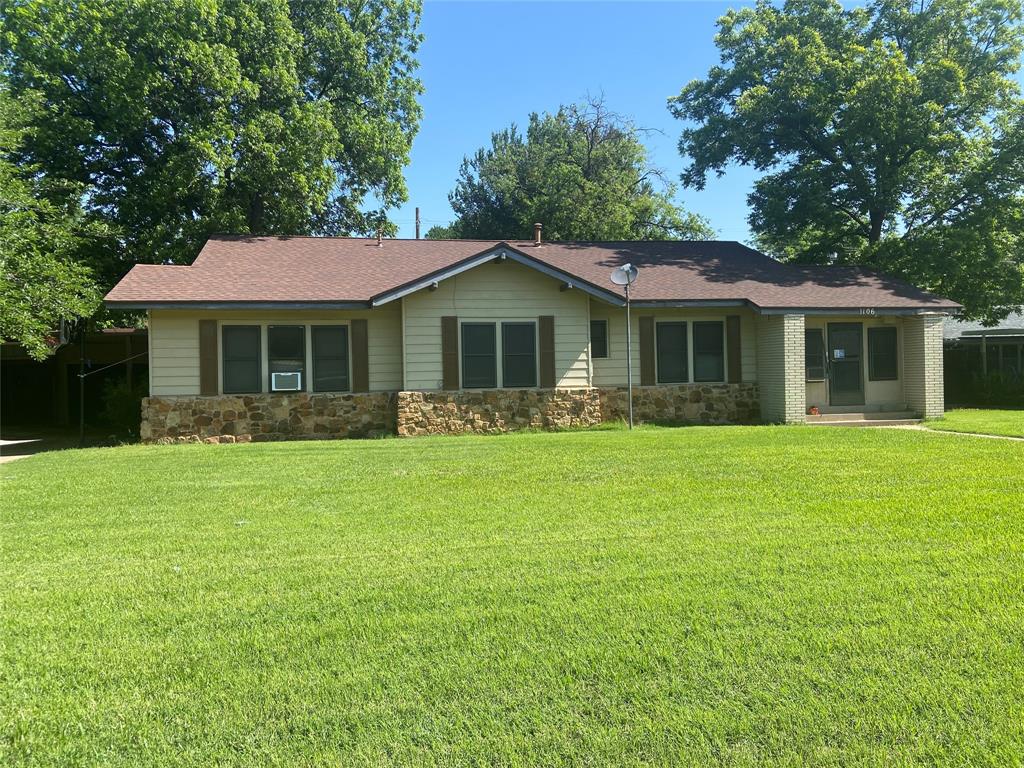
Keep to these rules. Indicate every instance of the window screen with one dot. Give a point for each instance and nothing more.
(330, 358)
(519, 354)
(599, 338)
(814, 354)
(286, 351)
(709, 351)
(672, 353)
(479, 356)
(241, 351)
(883, 364)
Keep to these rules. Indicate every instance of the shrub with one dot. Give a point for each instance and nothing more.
(122, 407)
(998, 388)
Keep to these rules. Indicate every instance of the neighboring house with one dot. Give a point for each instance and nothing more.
(985, 365)
(271, 337)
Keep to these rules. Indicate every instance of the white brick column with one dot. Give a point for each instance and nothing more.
(780, 368)
(922, 365)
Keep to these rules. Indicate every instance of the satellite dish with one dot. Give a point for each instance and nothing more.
(624, 275)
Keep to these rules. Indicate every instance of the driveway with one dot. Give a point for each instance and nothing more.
(16, 444)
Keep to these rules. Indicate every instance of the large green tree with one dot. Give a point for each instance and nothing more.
(582, 171)
(179, 118)
(891, 136)
(41, 284)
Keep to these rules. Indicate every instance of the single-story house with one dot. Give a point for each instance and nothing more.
(984, 365)
(273, 337)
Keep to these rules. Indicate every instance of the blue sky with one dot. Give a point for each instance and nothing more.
(485, 65)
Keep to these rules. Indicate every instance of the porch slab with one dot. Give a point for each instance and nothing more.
(865, 419)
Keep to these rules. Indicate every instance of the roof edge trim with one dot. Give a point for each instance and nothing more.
(684, 303)
(875, 311)
(115, 304)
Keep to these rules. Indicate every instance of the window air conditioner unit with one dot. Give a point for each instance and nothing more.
(286, 382)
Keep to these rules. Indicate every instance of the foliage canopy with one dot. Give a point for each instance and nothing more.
(40, 283)
(174, 120)
(891, 136)
(582, 171)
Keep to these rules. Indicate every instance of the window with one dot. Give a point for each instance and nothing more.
(672, 353)
(519, 354)
(709, 351)
(479, 356)
(286, 353)
(814, 354)
(241, 350)
(882, 362)
(330, 358)
(599, 338)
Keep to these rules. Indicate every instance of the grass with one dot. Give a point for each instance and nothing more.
(703, 596)
(982, 422)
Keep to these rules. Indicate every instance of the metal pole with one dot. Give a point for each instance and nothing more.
(629, 359)
(417, 222)
(81, 389)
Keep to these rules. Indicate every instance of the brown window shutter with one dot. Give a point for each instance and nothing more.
(360, 356)
(450, 352)
(546, 331)
(734, 351)
(208, 357)
(647, 350)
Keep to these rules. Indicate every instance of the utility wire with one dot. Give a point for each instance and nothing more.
(90, 373)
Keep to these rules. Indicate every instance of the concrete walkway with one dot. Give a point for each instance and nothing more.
(923, 428)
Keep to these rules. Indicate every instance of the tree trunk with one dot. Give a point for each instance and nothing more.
(877, 219)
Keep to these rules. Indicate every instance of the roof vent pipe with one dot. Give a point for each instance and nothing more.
(380, 235)
(536, 234)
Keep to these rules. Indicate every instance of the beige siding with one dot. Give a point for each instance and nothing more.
(611, 371)
(780, 365)
(492, 293)
(922, 362)
(878, 395)
(173, 353)
(174, 343)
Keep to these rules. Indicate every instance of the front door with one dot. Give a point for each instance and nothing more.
(845, 376)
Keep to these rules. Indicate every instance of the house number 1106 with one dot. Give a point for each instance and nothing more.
(867, 311)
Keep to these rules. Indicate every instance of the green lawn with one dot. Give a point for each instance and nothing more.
(981, 421)
(718, 596)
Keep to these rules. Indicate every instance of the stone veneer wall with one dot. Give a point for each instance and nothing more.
(245, 418)
(496, 410)
(505, 410)
(685, 404)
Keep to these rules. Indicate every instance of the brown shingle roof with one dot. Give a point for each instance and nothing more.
(341, 270)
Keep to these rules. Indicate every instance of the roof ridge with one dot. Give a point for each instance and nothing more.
(235, 236)
(372, 238)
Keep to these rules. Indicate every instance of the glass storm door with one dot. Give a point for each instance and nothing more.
(845, 364)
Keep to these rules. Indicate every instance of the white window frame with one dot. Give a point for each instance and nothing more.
(499, 380)
(607, 338)
(309, 354)
(307, 383)
(690, 349)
